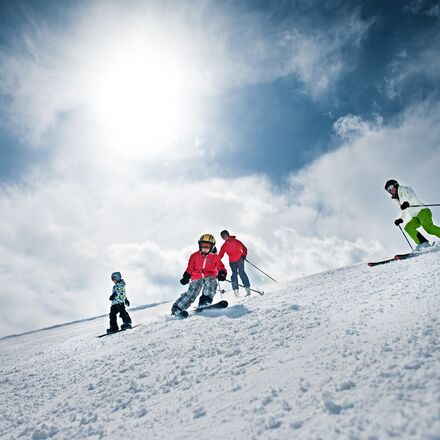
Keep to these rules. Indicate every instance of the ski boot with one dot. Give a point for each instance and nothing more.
(422, 246)
(236, 293)
(175, 310)
(125, 326)
(248, 291)
(204, 301)
(112, 330)
(178, 312)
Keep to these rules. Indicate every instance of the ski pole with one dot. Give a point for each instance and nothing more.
(253, 290)
(406, 238)
(421, 206)
(222, 291)
(261, 271)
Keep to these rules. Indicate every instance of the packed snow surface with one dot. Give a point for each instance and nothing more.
(352, 353)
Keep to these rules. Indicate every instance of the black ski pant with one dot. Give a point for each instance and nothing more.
(114, 310)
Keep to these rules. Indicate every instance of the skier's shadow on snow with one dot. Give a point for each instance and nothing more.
(233, 312)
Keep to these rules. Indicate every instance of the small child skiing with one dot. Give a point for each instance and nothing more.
(119, 300)
(204, 268)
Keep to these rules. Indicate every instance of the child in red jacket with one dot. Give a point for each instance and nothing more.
(204, 268)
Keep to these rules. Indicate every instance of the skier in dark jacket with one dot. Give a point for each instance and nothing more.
(119, 300)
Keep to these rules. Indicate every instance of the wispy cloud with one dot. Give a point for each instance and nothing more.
(55, 69)
(425, 7)
(414, 71)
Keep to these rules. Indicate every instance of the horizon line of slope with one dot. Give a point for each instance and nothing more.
(78, 321)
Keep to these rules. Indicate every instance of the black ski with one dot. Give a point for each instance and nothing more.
(219, 305)
(119, 331)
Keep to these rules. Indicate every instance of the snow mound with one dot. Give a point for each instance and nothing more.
(351, 353)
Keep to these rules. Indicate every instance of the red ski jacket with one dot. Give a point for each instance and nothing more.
(202, 266)
(234, 248)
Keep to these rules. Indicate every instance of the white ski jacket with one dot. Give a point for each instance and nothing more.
(407, 194)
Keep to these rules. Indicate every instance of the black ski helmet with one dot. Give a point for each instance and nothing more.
(391, 182)
(116, 276)
(207, 238)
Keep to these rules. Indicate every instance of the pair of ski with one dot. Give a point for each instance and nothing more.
(395, 258)
(218, 305)
(431, 248)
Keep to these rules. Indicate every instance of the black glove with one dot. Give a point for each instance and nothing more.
(112, 297)
(243, 258)
(185, 278)
(127, 302)
(221, 275)
(398, 221)
(404, 205)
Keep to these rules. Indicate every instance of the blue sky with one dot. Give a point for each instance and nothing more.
(130, 128)
(279, 116)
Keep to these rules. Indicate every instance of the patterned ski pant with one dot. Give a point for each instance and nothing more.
(207, 286)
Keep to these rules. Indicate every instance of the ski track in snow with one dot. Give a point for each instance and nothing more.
(349, 354)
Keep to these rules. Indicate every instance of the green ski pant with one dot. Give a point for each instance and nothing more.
(423, 219)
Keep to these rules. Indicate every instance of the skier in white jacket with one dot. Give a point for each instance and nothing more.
(418, 216)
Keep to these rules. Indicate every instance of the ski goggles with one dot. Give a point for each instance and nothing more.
(205, 245)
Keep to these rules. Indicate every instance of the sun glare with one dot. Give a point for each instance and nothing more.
(140, 97)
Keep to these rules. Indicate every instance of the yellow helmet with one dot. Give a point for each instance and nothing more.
(207, 238)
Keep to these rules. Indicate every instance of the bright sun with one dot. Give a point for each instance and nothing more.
(140, 96)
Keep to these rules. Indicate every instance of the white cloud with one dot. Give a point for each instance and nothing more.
(346, 186)
(62, 237)
(352, 126)
(60, 255)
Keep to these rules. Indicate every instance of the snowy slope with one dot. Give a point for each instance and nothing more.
(351, 353)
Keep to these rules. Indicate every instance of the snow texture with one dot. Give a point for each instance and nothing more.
(349, 354)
